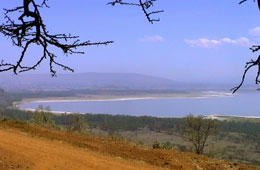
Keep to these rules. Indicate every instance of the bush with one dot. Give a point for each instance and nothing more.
(167, 145)
(182, 148)
(77, 123)
(43, 116)
(156, 145)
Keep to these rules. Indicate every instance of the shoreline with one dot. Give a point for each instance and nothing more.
(226, 117)
(101, 98)
(52, 111)
(210, 116)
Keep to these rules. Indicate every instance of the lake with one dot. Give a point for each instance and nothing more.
(243, 104)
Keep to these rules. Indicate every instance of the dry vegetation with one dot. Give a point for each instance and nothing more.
(26, 146)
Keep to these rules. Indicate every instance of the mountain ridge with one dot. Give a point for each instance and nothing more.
(86, 80)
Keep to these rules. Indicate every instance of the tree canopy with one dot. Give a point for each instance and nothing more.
(197, 130)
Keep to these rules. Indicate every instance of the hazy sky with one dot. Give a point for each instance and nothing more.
(196, 40)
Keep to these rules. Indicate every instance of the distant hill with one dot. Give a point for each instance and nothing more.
(84, 81)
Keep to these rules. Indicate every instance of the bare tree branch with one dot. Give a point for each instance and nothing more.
(145, 6)
(258, 1)
(252, 63)
(248, 66)
(24, 33)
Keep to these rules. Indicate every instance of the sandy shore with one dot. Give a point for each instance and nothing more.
(54, 112)
(227, 117)
(83, 98)
(213, 116)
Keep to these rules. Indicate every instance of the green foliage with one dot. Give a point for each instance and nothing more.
(116, 137)
(232, 136)
(197, 130)
(77, 123)
(131, 123)
(167, 145)
(244, 127)
(1, 114)
(6, 99)
(156, 145)
(16, 114)
(43, 116)
(182, 148)
(256, 140)
(111, 123)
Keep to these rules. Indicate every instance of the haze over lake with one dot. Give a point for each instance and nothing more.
(242, 104)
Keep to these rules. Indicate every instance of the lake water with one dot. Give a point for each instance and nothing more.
(244, 104)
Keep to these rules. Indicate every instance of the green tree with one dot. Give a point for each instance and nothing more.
(1, 113)
(43, 116)
(77, 123)
(197, 130)
(256, 140)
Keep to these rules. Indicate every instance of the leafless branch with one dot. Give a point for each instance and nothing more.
(251, 63)
(243, 1)
(145, 6)
(24, 33)
(248, 66)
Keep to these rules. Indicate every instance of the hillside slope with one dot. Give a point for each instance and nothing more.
(25, 146)
(20, 151)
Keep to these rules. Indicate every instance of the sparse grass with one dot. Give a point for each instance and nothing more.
(145, 130)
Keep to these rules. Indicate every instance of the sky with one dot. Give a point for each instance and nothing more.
(195, 41)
